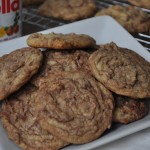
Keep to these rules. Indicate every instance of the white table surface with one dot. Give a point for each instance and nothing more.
(137, 141)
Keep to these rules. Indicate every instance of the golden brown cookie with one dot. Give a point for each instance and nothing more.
(131, 18)
(19, 118)
(121, 70)
(17, 68)
(141, 3)
(76, 107)
(69, 10)
(60, 41)
(129, 110)
(67, 60)
(31, 2)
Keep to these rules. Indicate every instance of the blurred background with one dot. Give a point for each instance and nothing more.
(33, 22)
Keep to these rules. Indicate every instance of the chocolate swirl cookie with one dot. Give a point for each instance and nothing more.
(67, 60)
(131, 18)
(69, 10)
(19, 118)
(129, 110)
(121, 70)
(141, 3)
(75, 107)
(17, 68)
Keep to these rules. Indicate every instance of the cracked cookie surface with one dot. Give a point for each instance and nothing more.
(77, 108)
(121, 70)
(16, 68)
(67, 60)
(129, 110)
(19, 118)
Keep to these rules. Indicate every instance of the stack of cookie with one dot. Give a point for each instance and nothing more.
(125, 73)
(70, 90)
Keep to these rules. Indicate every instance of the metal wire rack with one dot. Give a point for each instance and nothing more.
(31, 16)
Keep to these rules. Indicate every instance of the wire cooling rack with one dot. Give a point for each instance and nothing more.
(31, 17)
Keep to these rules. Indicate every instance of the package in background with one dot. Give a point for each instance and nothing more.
(10, 19)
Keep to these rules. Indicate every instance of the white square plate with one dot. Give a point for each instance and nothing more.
(104, 30)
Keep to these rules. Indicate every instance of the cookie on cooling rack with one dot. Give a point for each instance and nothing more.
(69, 10)
(19, 118)
(131, 18)
(76, 107)
(17, 68)
(129, 110)
(60, 41)
(121, 70)
(141, 3)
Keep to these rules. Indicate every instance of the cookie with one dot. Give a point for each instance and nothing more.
(121, 70)
(131, 18)
(141, 3)
(69, 10)
(17, 68)
(128, 110)
(76, 107)
(31, 2)
(19, 118)
(60, 41)
(67, 60)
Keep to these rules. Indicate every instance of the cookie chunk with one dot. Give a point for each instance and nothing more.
(67, 60)
(19, 118)
(76, 107)
(121, 70)
(141, 3)
(60, 41)
(17, 68)
(131, 18)
(69, 10)
(129, 110)
(31, 2)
